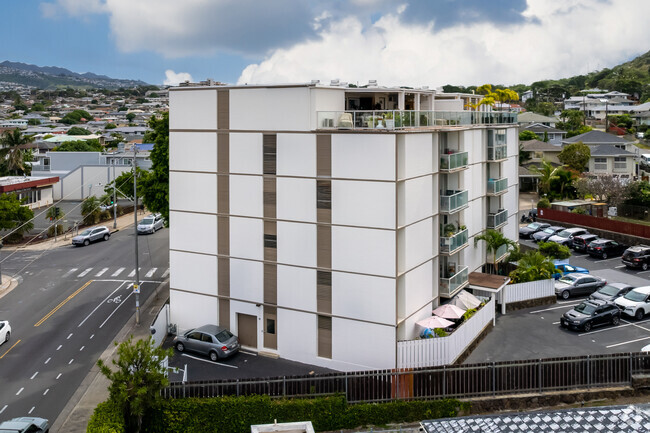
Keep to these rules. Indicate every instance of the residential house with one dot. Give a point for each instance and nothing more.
(528, 118)
(608, 159)
(552, 135)
(540, 150)
(34, 191)
(331, 218)
(596, 138)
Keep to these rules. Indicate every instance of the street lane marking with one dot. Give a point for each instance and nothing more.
(71, 361)
(31, 410)
(99, 305)
(46, 391)
(69, 336)
(3, 355)
(59, 376)
(20, 390)
(71, 271)
(65, 301)
(207, 360)
(151, 272)
(47, 360)
(100, 273)
(132, 273)
(607, 260)
(554, 308)
(3, 409)
(60, 346)
(118, 272)
(618, 267)
(33, 376)
(165, 273)
(627, 342)
(82, 348)
(118, 306)
(84, 273)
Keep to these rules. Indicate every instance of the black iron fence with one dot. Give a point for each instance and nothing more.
(455, 381)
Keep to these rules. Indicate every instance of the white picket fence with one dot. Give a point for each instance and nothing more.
(526, 291)
(159, 325)
(444, 350)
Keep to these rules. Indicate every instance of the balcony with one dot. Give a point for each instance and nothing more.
(407, 119)
(452, 244)
(501, 252)
(497, 186)
(497, 153)
(450, 162)
(498, 219)
(452, 201)
(451, 284)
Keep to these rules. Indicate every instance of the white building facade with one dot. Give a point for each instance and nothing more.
(319, 230)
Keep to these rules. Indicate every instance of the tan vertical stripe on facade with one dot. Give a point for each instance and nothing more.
(223, 275)
(224, 313)
(223, 109)
(324, 291)
(324, 337)
(324, 155)
(270, 283)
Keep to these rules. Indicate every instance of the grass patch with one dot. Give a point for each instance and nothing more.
(631, 220)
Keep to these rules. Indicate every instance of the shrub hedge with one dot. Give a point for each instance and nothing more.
(237, 414)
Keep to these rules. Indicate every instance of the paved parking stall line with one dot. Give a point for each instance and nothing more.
(627, 342)
(607, 260)
(207, 360)
(555, 308)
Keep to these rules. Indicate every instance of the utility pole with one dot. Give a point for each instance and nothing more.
(114, 197)
(136, 283)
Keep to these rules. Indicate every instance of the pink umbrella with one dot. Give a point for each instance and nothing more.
(449, 311)
(434, 322)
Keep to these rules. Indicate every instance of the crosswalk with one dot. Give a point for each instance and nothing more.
(116, 273)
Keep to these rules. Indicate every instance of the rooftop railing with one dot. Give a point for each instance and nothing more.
(405, 119)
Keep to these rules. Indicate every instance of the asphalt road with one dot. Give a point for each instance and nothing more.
(69, 307)
(535, 332)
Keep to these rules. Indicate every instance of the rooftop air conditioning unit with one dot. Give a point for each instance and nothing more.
(334, 82)
(372, 83)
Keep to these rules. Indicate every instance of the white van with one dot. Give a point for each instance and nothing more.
(645, 157)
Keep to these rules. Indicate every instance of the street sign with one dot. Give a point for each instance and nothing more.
(136, 288)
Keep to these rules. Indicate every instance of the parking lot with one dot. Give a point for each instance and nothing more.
(536, 333)
(243, 365)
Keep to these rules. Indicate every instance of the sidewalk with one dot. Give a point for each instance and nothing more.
(94, 388)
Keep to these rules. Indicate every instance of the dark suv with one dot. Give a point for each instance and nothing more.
(591, 313)
(637, 257)
(580, 242)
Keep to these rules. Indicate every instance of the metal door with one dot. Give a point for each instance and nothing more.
(247, 330)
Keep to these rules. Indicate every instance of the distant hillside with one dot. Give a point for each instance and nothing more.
(52, 77)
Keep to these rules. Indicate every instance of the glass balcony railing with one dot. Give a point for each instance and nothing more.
(500, 253)
(453, 161)
(452, 201)
(496, 153)
(451, 244)
(496, 220)
(497, 186)
(402, 119)
(450, 284)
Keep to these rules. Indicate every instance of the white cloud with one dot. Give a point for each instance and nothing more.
(560, 40)
(76, 8)
(174, 78)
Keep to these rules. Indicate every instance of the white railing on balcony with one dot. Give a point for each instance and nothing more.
(450, 284)
(401, 119)
(495, 220)
(496, 153)
(449, 245)
(500, 253)
(453, 161)
(452, 201)
(497, 186)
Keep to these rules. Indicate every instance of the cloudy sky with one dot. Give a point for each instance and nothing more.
(408, 42)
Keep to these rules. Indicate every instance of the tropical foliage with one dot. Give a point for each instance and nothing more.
(14, 218)
(532, 266)
(12, 154)
(575, 156)
(555, 251)
(494, 240)
(155, 184)
(91, 145)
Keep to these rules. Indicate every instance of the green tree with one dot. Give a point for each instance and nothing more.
(553, 250)
(38, 106)
(12, 152)
(137, 380)
(571, 120)
(545, 139)
(76, 116)
(547, 173)
(562, 184)
(581, 130)
(532, 266)
(527, 135)
(90, 210)
(14, 217)
(604, 187)
(80, 146)
(524, 155)
(544, 108)
(575, 156)
(75, 130)
(124, 184)
(110, 126)
(494, 240)
(155, 185)
(639, 193)
(33, 122)
(130, 117)
(54, 213)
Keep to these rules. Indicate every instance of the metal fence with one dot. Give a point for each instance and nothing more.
(456, 381)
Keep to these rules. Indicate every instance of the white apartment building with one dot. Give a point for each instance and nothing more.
(319, 230)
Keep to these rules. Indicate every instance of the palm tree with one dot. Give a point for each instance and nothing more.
(547, 173)
(11, 152)
(90, 210)
(494, 240)
(532, 266)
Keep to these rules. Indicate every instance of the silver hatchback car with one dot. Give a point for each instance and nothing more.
(212, 340)
(151, 223)
(91, 235)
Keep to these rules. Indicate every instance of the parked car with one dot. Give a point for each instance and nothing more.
(91, 235)
(604, 248)
(212, 340)
(591, 313)
(565, 268)
(578, 284)
(151, 223)
(543, 235)
(5, 331)
(25, 425)
(611, 291)
(580, 243)
(635, 303)
(565, 237)
(527, 232)
(637, 257)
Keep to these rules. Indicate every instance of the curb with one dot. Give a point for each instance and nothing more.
(96, 384)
